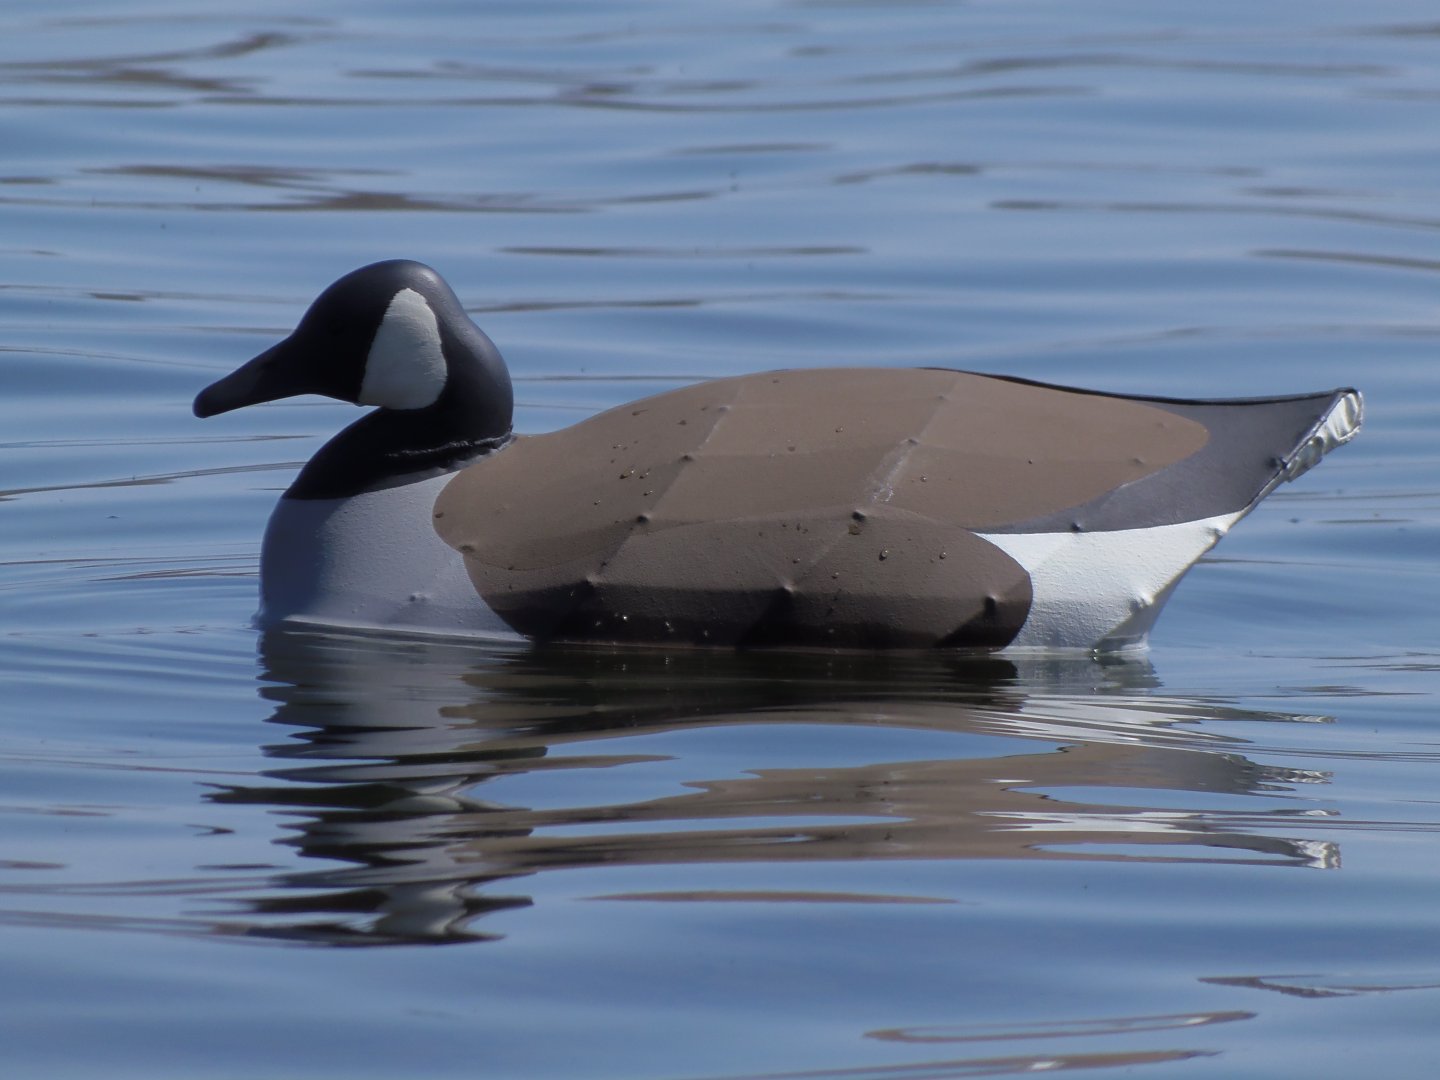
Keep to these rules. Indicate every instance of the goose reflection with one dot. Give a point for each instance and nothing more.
(394, 746)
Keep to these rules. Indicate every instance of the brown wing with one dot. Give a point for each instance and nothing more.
(827, 507)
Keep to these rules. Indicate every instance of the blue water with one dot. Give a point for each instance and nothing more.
(310, 857)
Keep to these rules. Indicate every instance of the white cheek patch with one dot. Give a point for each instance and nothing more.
(406, 367)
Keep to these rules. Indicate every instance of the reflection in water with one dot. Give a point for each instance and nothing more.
(962, 1068)
(395, 742)
(1059, 1029)
(1330, 986)
(1026, 1064)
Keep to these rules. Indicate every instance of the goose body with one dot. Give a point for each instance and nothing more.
(863, 508)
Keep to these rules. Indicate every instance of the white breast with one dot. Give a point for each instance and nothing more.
(369, 561)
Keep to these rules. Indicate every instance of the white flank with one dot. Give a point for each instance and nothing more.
(406, 367)
(1104, 588)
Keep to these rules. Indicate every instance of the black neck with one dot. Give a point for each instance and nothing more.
(363, 458)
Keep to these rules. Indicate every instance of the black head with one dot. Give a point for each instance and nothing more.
(392, 335)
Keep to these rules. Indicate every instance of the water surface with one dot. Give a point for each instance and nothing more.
(319, 855)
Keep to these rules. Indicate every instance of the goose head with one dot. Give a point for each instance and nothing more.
(390, 335)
